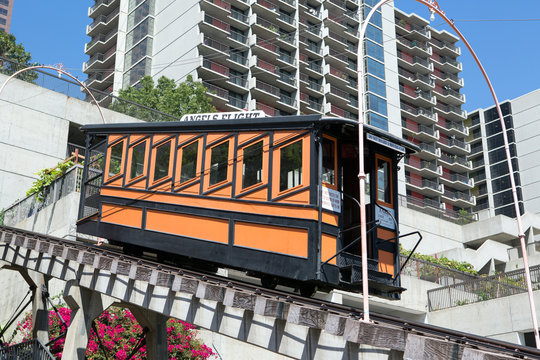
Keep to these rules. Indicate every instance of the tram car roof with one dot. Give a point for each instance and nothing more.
(247, 124)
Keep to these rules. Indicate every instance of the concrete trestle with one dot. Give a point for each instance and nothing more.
(94, 282)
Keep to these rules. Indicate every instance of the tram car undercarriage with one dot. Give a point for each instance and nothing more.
(274, 196)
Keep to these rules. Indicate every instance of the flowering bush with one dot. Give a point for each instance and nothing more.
(118, 334)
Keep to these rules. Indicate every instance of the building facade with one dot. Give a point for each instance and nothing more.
(299, 57)
(488, 156)
(6, 9)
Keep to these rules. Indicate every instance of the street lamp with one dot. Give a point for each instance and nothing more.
(434, 9)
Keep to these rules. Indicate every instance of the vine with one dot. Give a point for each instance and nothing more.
(462, 266)
(46, 178)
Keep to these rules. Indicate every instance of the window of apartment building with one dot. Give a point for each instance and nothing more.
(286, 56)
(141, 12)
(314, 46)
(501, 168)
(139, 32)
(238, 35)
(498, 141)
(287, 76)
(239, 57)
(505, 197)
(376, 19)
(491, 114)
(494, 127)
(375, 68)
(137, 72)
(3, 11)
(509, 210)
(139, 51)
(2, 21)
(239, 14)
(500, 154)
(377, 104)
(237, 100)
(376, 86)
(503, 183)
(287, 16)
(286, 97)
(4, 2)
(238, 78)
(374, 50)
(377, 120)
(374, 34)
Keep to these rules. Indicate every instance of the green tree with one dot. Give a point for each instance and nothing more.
(188, 97)
(10, 50)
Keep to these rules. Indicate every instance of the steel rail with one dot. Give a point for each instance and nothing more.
(455, 336)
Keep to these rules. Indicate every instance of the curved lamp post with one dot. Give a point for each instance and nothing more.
(60, 71)
(434, 9)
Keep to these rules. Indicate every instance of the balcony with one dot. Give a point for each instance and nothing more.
(313, 50)
(288, 5)
(308, 13)
(451, 112)
(313, 87)
(336, 95)
(424, 186)
(268, 110)
(220, 96)
(103, 23)
(449, 95)
(214, 70)
(101, 43)
(405, 28)
(266, 6)
(420, 131)
(414, 47)
(456, 163)
(335, 22)
(102, 7)
(446, 64)
(100, 80)
(477, 163)
(100, 60)
(309, 106)
(339, 112)
(239, 19)
(267, 28)
(418, 97)
(414, 63)
(419, 114)
(415, 79)
(448, 78)
(264, 69)
(216, 7)
(428, 169)
(264, 48)
(454, 146)
(454, 128)
(336, 75)
(215, 26)
(312, 68)
(213, 47)
(337, 59)
(446, 48)
(287, 22)
(457, 181)
(429, 151)
(458, 198)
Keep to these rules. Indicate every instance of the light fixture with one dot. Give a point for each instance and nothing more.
(432, 17)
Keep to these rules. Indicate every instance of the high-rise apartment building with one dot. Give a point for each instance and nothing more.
(431, 115)
(300, 56)
(6, 8)
(488, 156)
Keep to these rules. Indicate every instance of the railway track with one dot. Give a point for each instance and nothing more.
(107, 254)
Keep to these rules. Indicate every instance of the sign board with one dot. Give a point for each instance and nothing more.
(386, 217)
(386, 143)
(331, 199)
(235, 115)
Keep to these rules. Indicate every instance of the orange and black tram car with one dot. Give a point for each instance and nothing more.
(276, 197)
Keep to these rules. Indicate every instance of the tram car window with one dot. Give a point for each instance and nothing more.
(276, 197)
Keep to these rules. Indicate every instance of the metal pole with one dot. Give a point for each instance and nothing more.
(59, 71)
(434, 8)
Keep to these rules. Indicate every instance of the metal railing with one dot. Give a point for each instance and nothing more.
(28, 350)
(482, 289)
(438, 274)
(29, 206)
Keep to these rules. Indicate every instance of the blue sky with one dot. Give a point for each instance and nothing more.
(54, 32)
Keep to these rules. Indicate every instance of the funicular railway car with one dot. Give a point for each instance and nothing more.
(273, 196)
